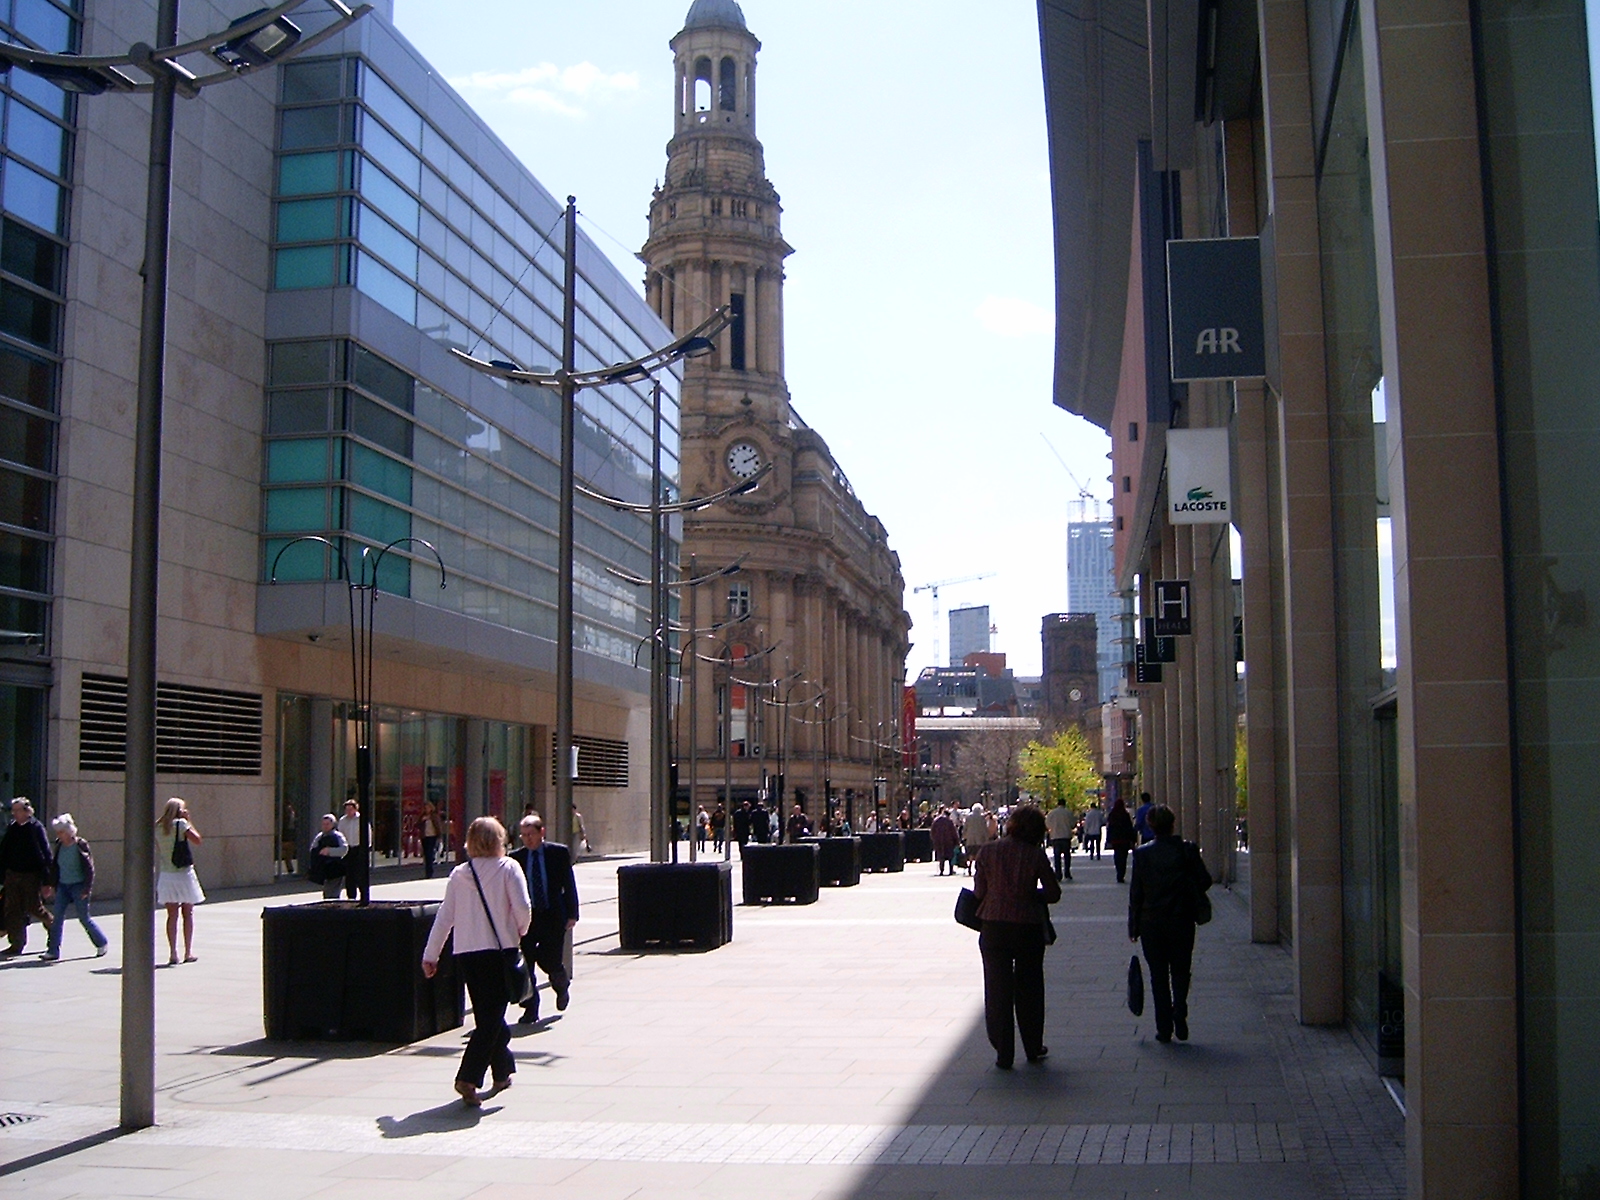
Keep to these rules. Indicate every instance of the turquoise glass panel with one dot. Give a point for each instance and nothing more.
(308, 266)
(297, 510)
(321, 126)
(307, 174)
(375, 520)
(313, 220)
(299, 561)
(303, 460)
(378, 472)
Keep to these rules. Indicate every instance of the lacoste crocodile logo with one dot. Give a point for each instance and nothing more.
(1198, 493)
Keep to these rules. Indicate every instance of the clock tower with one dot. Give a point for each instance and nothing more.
(819, 583)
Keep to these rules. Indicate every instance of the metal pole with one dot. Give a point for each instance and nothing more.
(564, 630)
(366, 596)
(727, 749)
(139, 797)
(694, 694)
(661, 814)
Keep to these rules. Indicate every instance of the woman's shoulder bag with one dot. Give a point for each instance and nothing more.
(519, 983)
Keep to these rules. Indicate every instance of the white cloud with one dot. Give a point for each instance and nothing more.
(549, 88)
(1007, 316)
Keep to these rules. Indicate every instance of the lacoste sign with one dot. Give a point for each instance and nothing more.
(1199, 485)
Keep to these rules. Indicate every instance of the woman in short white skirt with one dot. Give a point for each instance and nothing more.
(178, 887)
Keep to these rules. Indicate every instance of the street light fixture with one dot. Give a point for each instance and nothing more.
(567, 381)
(164, 77)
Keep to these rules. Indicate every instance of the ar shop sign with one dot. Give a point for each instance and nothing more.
(1199, 486)
(1214, 309)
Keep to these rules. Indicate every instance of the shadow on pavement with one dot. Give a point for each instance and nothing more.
(446, 1118)
(318, 1051)
(55, 1152)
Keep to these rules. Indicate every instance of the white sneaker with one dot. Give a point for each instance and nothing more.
(100, 951)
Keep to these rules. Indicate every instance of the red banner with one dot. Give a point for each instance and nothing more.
(908, 726)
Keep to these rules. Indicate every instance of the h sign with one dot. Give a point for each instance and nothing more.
(1214, 309)
(1171, 617)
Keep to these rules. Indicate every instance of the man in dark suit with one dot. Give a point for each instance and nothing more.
(547, 866)
(1169, 877)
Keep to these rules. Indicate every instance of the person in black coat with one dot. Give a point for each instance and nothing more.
(25, 858)
(1169, 877)
(741, 824)
(547, 866)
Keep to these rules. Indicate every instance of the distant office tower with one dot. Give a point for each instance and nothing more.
(969, 633)
(1091, 589)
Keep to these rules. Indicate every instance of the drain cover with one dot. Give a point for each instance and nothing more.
(8, 1119)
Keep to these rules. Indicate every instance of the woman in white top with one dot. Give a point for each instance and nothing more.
(177, 886)
(488, 929)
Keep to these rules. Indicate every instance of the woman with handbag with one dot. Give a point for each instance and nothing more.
(1013, 882)
(1167, 899)
(486, 906)
(177, 886)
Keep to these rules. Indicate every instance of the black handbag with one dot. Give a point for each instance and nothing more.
(1135, 987)
(519, 982)
(1202, 902)
(967, 909)
(182, 854)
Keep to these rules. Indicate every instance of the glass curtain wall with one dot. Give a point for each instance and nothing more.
(1354, 375)
(1536, 82)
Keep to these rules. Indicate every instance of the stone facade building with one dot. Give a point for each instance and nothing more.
(819, 584)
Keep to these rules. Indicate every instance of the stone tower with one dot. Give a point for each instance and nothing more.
(819, 582)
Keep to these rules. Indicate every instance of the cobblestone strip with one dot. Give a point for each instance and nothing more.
(602, 1141)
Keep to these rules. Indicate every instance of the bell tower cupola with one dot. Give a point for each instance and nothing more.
(714, 224)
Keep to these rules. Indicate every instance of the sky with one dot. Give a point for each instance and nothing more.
(907, 142)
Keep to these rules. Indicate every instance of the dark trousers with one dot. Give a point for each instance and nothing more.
(22, 903)
(1013, 983)
(489, 1046)
(544, 946)
(1119, 857)
(1061, 849)
(430, 855)
(1091, 845)
(1169, 950)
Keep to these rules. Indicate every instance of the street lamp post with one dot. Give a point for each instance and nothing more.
(259, 40)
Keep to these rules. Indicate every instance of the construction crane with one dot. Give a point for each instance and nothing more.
(1085, 496)
(934, 587)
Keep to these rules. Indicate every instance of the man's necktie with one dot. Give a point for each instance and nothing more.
(536, 879)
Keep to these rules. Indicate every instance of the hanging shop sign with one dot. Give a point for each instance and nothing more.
(1171, 616)
(1156, 649)
(1199, 482)
(1144, 671)
(1214, 312)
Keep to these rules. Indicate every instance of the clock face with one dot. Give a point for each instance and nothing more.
(1075, 695)
(744, 459)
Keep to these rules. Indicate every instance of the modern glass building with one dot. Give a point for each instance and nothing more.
(340, 226)
(1092, 588)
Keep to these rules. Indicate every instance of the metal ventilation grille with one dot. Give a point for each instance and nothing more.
(199, 731)
(602, 762)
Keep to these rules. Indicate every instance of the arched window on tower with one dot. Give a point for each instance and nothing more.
(728, 88)
(702, 85)
(736, 358)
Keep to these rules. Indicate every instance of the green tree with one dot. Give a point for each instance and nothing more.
(1241, 774)
(1060, 771)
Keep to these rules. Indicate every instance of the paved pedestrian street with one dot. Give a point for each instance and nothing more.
(834, 1050)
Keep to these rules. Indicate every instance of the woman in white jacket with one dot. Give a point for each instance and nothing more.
(488, 928)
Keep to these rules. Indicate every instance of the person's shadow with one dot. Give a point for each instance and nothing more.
(446, 1118)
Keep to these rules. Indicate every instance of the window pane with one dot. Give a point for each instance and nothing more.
(27, 315)
(384, 239)
(311, 127)
(387, 288)
(23, 616)
(305, 560)
(321, 80)
(375, 520)
(305, 174)
(24, 500)
(46, 95)
(24, 563)
(296, 510)
(304, 460)
(378, 424)
(378, 472)
(38, 139)
(308, 266)
(300, 362)
(32, 197)
(45, 25)
(380, 378)
(26, 439)
(27, 379)
(392, 153)
(297, 412)
(390, 197)
(312, 220)
(24, 252)
(386, 102)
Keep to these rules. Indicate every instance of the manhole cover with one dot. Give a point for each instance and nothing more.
(18, 1118)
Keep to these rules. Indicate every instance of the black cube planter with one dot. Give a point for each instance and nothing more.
(883, 851)
(839, 860)
(672, 906)
(919, 845)
(781, 873)
(341, 972)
